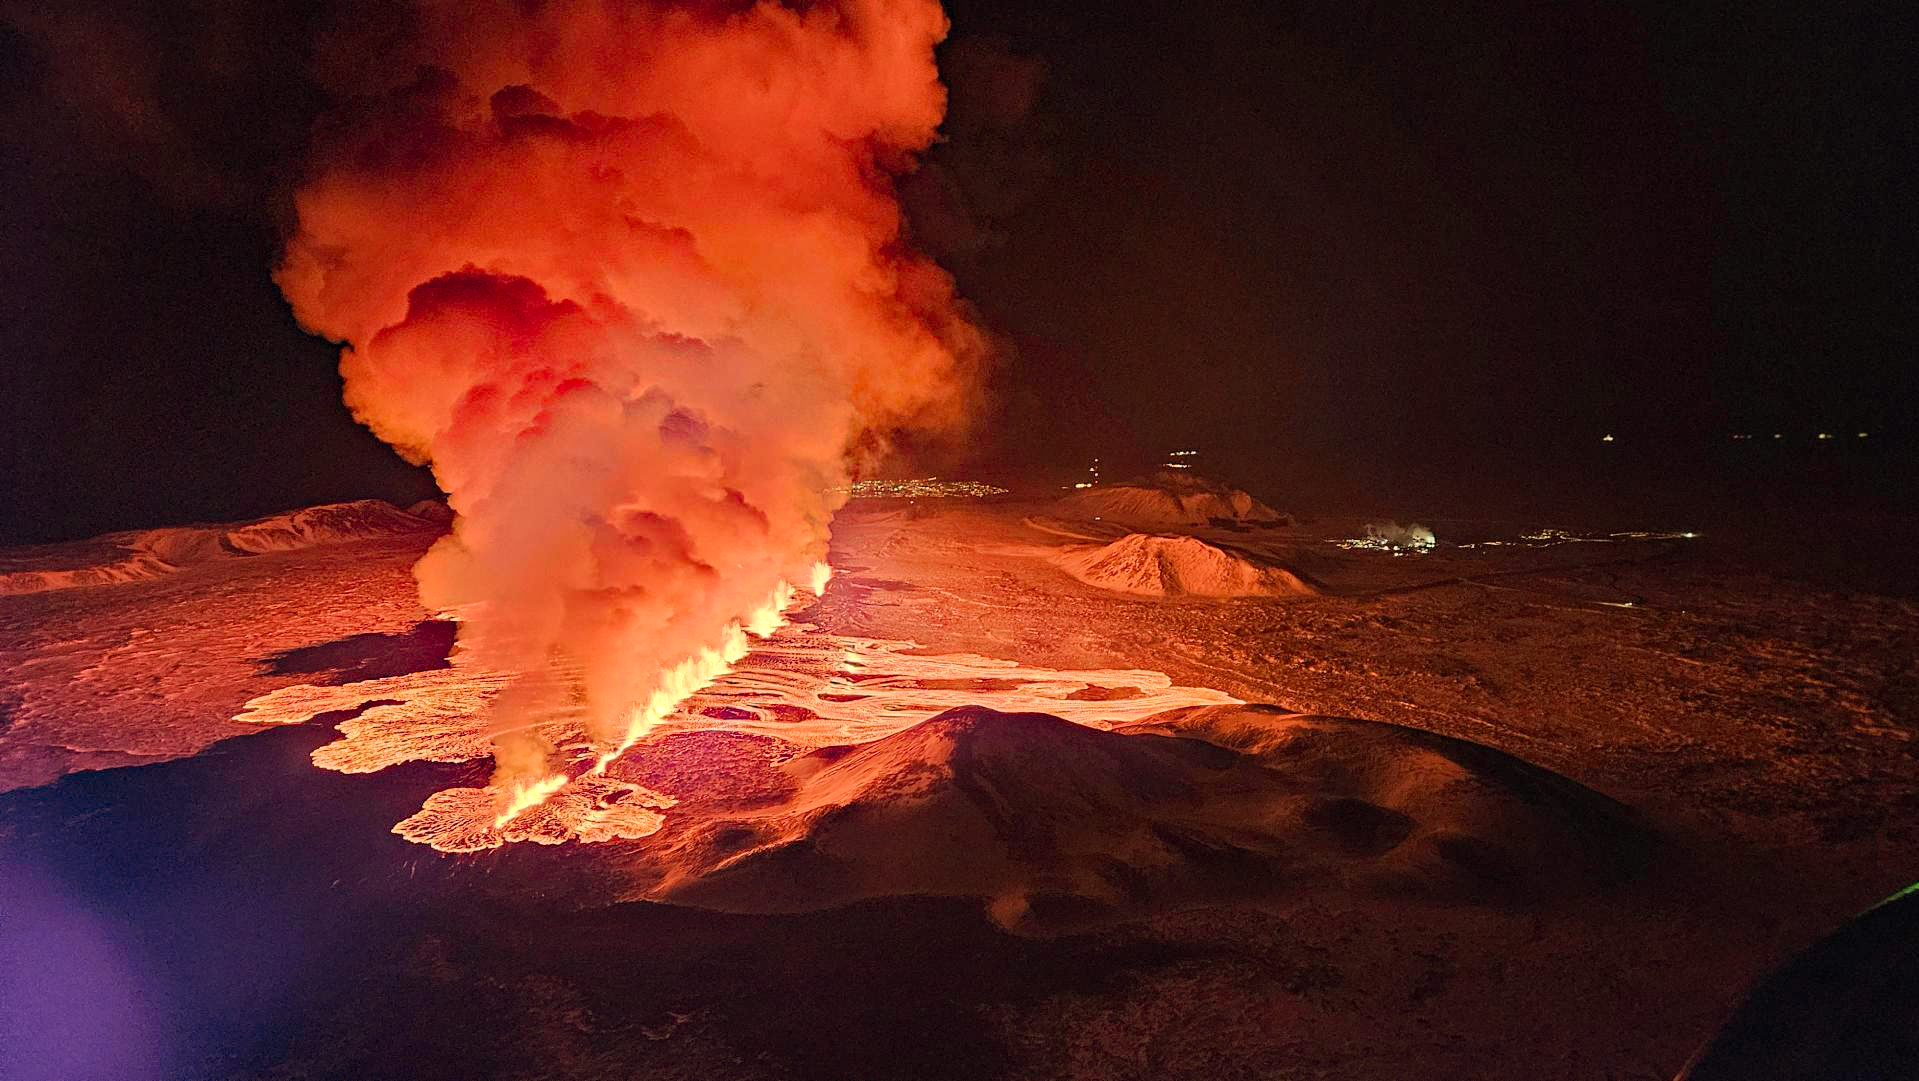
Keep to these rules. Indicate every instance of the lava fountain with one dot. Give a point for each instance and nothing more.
(631, 277)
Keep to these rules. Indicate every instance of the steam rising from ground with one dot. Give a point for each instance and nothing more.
(630, 277)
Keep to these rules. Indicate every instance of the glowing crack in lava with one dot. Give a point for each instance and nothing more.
(446, 820)
(630, 276)
(441, 716)
(798, 685)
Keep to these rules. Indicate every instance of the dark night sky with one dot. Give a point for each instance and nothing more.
(1336, 243)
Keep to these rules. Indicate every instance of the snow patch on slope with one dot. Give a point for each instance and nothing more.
(1169, 498)
(1146, 565)
(142, 555)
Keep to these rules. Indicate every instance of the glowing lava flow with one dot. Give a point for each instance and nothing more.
(800, 688)
(771, 617)
(675, 685)
(528, 796)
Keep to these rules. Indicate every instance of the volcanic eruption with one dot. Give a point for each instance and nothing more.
(632, 279)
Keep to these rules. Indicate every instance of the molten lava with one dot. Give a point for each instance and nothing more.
(799, 686)
(674, 687)
(524, 797)
(698, 672)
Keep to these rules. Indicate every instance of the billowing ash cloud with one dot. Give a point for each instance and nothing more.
(631, 277)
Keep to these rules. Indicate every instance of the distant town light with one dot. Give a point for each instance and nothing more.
(920, 487)
(1607, 438)
(1776, 435)
(1825, 435)
(1862, 435)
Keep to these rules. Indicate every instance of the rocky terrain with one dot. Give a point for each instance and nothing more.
(1535, 803)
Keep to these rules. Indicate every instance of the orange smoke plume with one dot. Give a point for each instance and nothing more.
(631, 278)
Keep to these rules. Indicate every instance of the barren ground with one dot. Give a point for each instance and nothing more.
(256, 919)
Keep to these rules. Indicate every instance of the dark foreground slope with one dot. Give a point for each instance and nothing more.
(1053, 822)
(239, 914)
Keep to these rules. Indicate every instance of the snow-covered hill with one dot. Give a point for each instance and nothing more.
(1168, 499)
(1147, 565)
(144, 554)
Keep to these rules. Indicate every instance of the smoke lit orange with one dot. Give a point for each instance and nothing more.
(631, 279)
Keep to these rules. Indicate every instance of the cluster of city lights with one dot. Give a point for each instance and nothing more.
(1381, 544)
(1548, 538)
(1740, 437)
(1175, 459)
(919, 488)
(1092, 477)
(1418, 540)
(1397, 540)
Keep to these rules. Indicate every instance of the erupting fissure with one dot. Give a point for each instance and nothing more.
(525, 797)
(675, 686)
(799, 687)
(631, 277)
